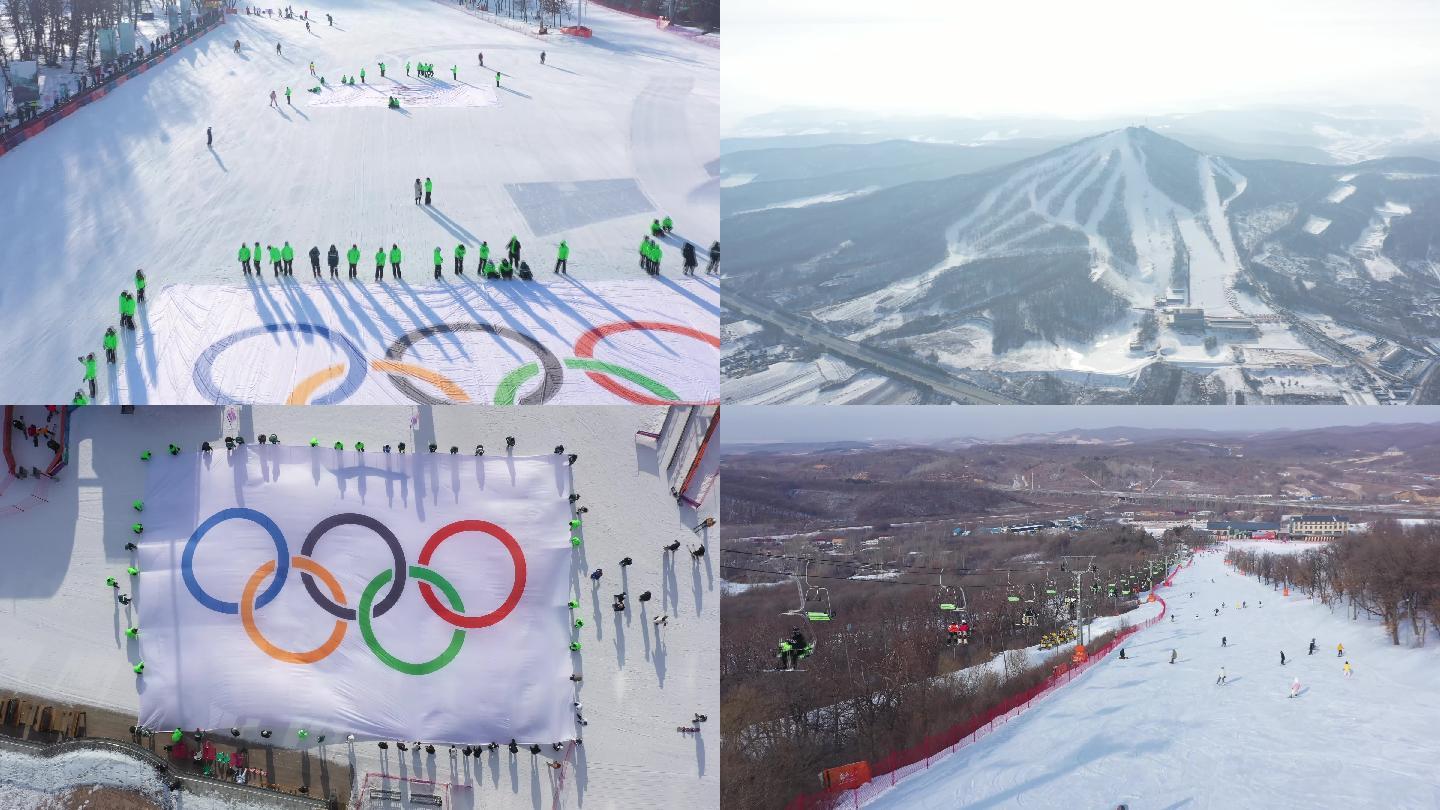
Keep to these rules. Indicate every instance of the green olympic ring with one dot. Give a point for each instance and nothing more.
(510, 383)
(367, 600)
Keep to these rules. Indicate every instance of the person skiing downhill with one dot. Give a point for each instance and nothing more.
(1220, 680)
(417, 191)
(455, 72)
(1295, 687)
(277, 48)
(353, 257)
(1348, 671)
(407, 69)
(1339, 650)
(315, 260)
(362, 75)
(1122, 654)
(333, 259)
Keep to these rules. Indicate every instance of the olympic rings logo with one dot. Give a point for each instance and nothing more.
(550, 368)
(391, 580)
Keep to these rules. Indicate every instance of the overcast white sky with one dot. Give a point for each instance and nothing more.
(919, 422)
(967, 58)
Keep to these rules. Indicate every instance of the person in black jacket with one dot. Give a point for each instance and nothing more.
(688, 253)
(315, 260)
(334, 259)
(714, 268)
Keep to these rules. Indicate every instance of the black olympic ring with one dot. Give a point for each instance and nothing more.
(353, 519)
(552, 371)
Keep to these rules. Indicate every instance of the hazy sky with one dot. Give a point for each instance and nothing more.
(966, 58)
(827, 423)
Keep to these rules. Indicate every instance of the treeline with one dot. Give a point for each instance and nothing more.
(1391, 572)
(53, 31)
(699, 13)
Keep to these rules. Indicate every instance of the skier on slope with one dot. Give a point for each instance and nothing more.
(315, 260)
(1312, 647)
(1173, 655)
(1224, 642)
(1295, 687)
(455, 73)
(1348, 671)
(277, 48)
(287, 97)
(333, 259)
(482, 58)
(497, 78)
(1339, 650)
(1221, 679)
(273, 102)
(1282, 658)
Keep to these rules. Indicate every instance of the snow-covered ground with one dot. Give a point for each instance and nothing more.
(1148, 733)
(62, 632)
(610, 133)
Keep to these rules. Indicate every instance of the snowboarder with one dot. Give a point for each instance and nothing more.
(1221, 679)
(353, 257)
(315, 260)
(417, 191)
(1348, 670)
(1312, 647)
(439, 261)
(1173, 656)
(688, 254)
(1282, 658)
(111, 342)
(140, 286)
(380, 264)
(1295, 687)
(394, 260)
(429, 187)
(460, 259)
(714, 268)
(245, 258)
(1122, 653)
(89, 362)
(333, 259)
(209, 137)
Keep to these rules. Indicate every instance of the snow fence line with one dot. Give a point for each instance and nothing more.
(55, 114)
(889, 771)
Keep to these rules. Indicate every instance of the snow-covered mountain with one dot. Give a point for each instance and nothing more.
(1067, 244)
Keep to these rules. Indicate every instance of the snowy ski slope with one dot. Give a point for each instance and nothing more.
(1154, 735)
(611, 133)
(62, 629)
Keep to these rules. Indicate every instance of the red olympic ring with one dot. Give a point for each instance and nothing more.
(585, 347)
(516, 555)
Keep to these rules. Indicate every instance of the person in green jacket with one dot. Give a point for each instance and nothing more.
(362, 75)
(111, 343)
(506, 271)
(455, 73)
(460, 259)
(407, 68)
(127, 310)
(382, 70)
(140, 285)
(273, 253)
(394, 260)
(79, 399)
(490, 271)
(89, 361)
(562, 254)
(667, 224)
(245, 258)
(287, 254)
(484, 255)
(287, 97)
(655, 255)
(428, 188)
(439, 261)
(645, 254)
(380, 264)
(497, 78)
(353, 257)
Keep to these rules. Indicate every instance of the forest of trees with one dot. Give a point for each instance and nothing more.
(699, 13)
(873, 686)
(61, 31)
(1391, 572)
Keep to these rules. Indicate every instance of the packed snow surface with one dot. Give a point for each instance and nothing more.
(610, 133)
(1147, 733)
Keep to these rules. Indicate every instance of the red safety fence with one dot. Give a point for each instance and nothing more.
(888, 772)
(47, 119)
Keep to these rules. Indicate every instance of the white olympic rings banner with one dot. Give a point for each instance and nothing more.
(414, 597)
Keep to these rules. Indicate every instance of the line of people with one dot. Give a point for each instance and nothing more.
(651, 254)
(282, 261)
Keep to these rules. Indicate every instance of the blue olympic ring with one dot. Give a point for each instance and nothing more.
(354, 375)
(282, 555)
